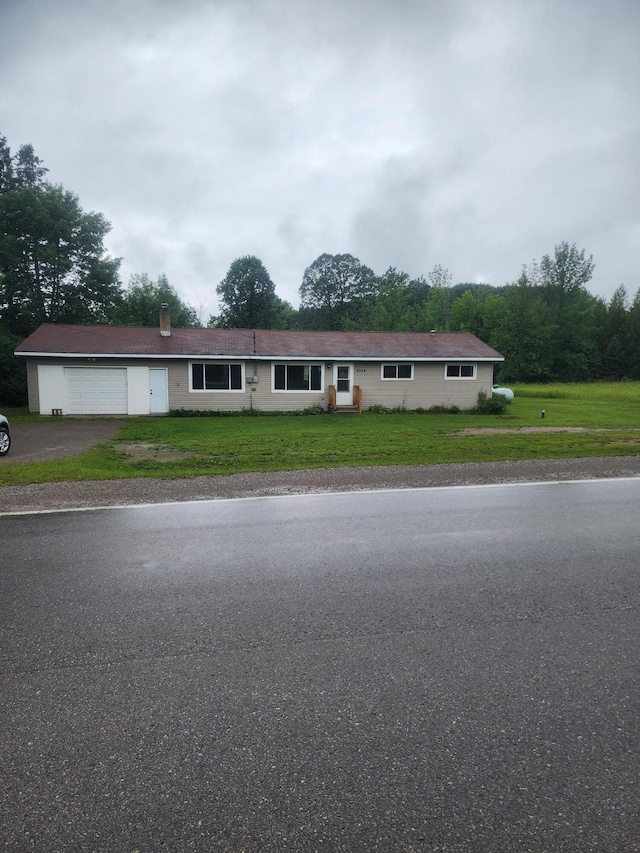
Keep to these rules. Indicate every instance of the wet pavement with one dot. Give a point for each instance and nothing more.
(33, 442)
(441, 670)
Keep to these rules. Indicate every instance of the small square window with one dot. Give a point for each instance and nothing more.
(460, 371)
(397, 371)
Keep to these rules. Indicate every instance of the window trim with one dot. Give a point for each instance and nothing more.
(229, 364)
(461, 364)
(287, 364)
(396, 378)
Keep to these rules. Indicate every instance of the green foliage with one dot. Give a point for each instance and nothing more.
(495, 405)
(518, 326)
(330, 284)
(245, 413)
(395, 302)
(13, 373)
(316, 409)
(52, 259)
(441, 409)
(438, 308)
(53, 265)
(248, 298)
(440, 277)
(143, 297)
(21, 171)
(563, 277)
(591, 393)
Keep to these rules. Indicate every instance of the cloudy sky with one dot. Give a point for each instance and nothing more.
(475, 134)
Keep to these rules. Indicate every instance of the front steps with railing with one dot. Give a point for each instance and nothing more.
(354, 409)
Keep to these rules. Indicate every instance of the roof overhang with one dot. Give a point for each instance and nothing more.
(251, 357)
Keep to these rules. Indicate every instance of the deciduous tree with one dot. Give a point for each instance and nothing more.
(248, 298)
(142, 299)
(55, 268)
(53, 264)
(518, 327)
(440, 299)
(563, 277)
(330, 284)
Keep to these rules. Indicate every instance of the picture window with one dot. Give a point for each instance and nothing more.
(297, 377)
(215, 376)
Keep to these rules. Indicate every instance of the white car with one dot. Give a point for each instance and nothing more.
(5, 436)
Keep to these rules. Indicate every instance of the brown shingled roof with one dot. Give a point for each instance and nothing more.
(140, 341)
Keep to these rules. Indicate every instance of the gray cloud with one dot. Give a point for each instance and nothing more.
(475, 134)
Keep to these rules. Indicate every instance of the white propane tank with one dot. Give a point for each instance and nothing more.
(507, 393)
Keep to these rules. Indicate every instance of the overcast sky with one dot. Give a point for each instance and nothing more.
(475, 134)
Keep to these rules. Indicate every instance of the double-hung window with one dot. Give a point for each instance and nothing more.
(297, 377)
(460, 371)
(216, 376)
(397, 371)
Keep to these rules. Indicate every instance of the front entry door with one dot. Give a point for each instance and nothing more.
(343, 376)
(158, 392)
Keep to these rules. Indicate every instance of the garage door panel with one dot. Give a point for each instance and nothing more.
(96, 390)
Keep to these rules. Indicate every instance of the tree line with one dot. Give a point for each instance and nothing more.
(54, 268)
(546, 323)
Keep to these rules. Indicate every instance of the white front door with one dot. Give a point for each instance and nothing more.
(158, 391)
(343, 378)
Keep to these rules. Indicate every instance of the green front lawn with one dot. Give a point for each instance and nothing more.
(189, 447)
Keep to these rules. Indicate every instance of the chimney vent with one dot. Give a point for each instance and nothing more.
(165, 322)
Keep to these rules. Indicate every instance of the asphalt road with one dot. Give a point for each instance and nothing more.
(443, 669)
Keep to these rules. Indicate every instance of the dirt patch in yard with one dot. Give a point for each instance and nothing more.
(143, 451)
(505, 430)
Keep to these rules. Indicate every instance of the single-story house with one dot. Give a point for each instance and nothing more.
(124, 370)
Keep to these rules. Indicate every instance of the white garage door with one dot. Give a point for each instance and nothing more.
(96, 390)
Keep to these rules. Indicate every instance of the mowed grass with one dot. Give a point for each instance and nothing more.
(580, 421)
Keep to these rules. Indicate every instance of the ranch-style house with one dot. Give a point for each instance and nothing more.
(124, 370)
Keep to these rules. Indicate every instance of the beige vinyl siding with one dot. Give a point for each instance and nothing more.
(177, 379)
(427, 388)
(256, 396)
(175, 370)
(32, 385)
(181, 397)
(287, 401)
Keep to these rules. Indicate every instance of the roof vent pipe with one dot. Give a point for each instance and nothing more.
(165, 322)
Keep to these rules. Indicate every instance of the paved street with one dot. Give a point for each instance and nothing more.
(439, 669)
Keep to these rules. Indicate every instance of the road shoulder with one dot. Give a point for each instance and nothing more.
(61, 496)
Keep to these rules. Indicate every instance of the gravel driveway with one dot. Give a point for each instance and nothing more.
(50, 438)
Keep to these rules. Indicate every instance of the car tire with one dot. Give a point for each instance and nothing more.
(5, 441)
